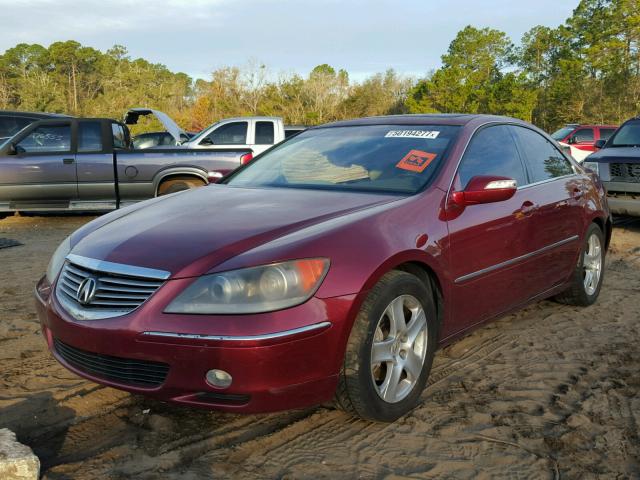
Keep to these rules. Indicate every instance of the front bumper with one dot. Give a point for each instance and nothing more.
(623, 198)
(293, 366)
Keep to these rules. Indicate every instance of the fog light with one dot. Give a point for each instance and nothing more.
(219, 378)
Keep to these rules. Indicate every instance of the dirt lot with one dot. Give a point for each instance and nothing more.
(550, 392)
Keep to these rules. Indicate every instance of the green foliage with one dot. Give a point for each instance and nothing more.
(587, 70)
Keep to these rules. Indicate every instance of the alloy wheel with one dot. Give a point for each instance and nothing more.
(399, 348)
(592, 264)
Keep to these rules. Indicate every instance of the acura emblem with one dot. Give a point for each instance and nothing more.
(86, 291)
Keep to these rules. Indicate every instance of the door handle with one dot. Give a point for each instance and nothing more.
(68, 161)
(528, 208)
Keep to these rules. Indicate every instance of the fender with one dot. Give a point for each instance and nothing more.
(183, 171)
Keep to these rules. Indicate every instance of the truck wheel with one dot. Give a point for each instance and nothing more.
(586, 280)
(390, 349)
(178, 184)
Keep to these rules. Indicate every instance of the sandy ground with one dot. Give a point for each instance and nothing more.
(550, 392)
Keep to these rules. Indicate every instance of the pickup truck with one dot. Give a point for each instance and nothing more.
(255, 133)
(617, 162)
(580, 139)
(88, 164)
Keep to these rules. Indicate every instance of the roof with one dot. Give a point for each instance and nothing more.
(422, 119)
(16, 113)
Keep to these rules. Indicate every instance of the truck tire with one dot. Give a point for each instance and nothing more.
(390, 349)
(178, 184)
(586, 280)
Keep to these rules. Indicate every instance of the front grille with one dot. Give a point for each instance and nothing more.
(625, 172)
(135, 373)
(114, 294)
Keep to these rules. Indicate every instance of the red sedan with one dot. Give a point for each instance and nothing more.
(331, 267)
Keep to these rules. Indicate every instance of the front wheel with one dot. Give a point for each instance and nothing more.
(586, 280)
(390, 349)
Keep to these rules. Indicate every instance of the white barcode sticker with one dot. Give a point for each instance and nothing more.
(428, 134)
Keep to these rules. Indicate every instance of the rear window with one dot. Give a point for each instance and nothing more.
(605, 133)
(264, 133)
(381, 158)
(90, 137)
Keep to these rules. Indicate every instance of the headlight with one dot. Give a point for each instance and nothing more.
(57, 260)
(593, 166)
(253, 290)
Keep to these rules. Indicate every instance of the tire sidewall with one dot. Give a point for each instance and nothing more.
(376, 407)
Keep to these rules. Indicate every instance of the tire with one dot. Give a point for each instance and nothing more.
(178, 184)
(365, 386)
(582, 291)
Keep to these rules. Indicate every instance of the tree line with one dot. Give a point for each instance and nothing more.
(585, 70)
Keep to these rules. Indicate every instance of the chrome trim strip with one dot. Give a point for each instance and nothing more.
(512, 261)
(118, 268)
(231, 338)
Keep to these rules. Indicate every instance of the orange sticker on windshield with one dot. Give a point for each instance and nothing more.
(416, 161)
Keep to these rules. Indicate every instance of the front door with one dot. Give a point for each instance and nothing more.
(42, 173)
(489, 243)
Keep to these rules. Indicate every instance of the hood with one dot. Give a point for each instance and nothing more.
(190, 232)
(616, 155)
(132, 115)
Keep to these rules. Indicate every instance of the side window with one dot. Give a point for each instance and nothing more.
(119, 136)
(492, 151)
(264, 133)
(47, 138)
(89, 137)
(234, 133)
(543, 159)
(9, 126)
(605, 133)
(583, 135)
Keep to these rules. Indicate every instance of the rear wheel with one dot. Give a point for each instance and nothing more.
(586, 280)
(178, 184)
(390, 349)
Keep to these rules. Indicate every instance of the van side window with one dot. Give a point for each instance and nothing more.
(492, 151)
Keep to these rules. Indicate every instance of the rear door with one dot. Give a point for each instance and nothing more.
(42, 173)
(96, 185)
(489, 242)
(557, 193)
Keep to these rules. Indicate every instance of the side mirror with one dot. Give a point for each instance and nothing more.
(600, 143)
(572, 140)
(12, 150)
(485, 189)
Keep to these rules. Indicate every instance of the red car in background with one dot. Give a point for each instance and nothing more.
(581, 139)
(331, 267)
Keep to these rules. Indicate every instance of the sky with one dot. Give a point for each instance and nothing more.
(198, 36)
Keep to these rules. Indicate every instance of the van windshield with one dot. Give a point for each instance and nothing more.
(628, 135)
(379, 158)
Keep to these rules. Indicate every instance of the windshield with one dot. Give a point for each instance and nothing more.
(562, 133)
(381, 158)
(627, 136)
